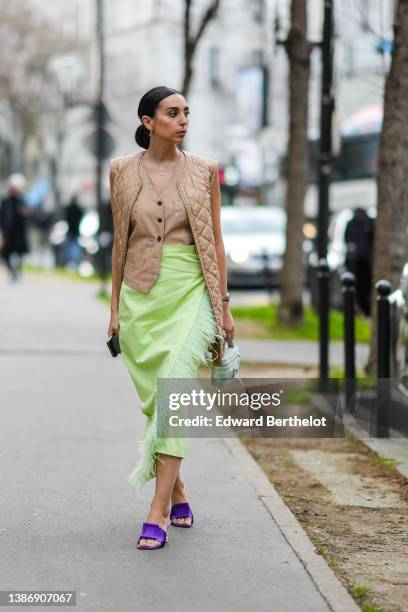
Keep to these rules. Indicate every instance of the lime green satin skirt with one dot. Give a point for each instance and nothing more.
(165, 333)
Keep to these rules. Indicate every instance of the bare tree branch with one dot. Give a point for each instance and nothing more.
(191, 41)
(28, 89)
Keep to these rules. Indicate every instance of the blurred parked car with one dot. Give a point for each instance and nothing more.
(399, 330)
(255, 240)
(336, 257)
(399, 355)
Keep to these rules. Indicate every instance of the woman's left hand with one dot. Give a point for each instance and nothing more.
(229, 326)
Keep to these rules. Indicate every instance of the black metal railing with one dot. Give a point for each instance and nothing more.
(388, 406)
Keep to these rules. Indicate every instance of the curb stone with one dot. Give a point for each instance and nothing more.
(327, 583)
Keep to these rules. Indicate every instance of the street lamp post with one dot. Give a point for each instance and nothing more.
(67, 69)
(327, 104)
(99, 109)
(100, 116)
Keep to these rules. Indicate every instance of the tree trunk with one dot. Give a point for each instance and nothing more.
(390, 237)
(292, 278)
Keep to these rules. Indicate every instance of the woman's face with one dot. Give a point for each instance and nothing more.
(171, 119)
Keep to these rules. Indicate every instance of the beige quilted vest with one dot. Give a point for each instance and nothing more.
(194, 186)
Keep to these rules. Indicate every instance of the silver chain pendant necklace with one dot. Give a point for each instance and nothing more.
(161, 173)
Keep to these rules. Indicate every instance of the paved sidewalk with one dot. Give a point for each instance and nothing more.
(293, 352)
(69, 520)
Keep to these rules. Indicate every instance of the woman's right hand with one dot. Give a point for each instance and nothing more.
(113, 324)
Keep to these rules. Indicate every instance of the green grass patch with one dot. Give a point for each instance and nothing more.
(62, 272)
(384, 461)
(339, 372)
(359, 590)
(105, 297)
(308, 330)
(298, 396)
(329, 559)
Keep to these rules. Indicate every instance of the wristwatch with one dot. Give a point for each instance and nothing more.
(226, 298)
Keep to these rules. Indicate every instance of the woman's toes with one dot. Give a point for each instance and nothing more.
(148, 542)
(182, 521)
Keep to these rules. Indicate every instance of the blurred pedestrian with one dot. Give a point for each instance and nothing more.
(13, 225)
(105, 237)
(359, 238)
(73, 216)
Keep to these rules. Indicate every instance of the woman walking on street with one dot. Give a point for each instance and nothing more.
(170, 305)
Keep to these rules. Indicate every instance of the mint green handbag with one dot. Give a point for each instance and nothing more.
(221, 375)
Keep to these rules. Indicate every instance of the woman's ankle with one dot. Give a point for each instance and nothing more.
(179, 486)
(179, 494)
(159, 508)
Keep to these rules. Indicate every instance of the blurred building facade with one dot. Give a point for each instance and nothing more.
(238, 97)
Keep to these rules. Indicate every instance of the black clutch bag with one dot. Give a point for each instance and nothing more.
(113, 345)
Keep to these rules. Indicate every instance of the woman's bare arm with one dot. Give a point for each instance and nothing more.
(219, 243)
(115, 296)
(220, 250)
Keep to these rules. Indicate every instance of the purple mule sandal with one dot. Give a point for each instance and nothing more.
(181, 510)
(153, 532)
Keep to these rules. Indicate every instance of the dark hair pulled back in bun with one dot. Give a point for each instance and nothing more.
(147, 106)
